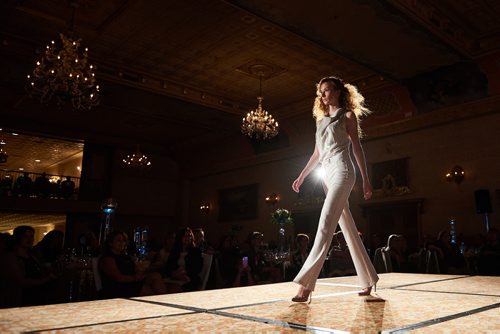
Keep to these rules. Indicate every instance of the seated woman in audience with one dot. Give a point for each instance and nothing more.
(201, 242)
(23, 281)
(159, 261)
(185, 262)
(243, 275)
(451, 261)
(262, 270)
(49, 251)
(396, 248)
(229, 260)
(299, 256)
(119, 275)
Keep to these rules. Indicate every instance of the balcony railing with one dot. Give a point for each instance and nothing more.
(36, 185)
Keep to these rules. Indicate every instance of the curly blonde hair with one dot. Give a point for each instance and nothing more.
(350, 99)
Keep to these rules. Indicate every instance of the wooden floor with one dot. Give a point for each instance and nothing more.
(402, 303)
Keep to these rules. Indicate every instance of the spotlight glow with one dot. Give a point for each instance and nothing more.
(320, 173)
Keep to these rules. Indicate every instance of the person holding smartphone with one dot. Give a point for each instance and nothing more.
(244, 274)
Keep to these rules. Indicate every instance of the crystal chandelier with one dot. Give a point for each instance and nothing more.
(258, 123)
(137, 160)
(65, 74)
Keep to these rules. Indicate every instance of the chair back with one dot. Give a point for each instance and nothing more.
(205, 270)
(432, 262)
(382, 261)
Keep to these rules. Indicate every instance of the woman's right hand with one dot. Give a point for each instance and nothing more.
(297, 183)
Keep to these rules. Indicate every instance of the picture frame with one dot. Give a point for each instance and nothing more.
(238, 203)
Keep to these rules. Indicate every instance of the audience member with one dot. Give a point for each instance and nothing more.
(23, 185)
(200, 241)
(185, 262)
(160, 261)
(6, 185)
(299, 256)
(49, 250)
(229, 260)
(55, 189)
(489, 255)
(119, 275)
(42, 186)
(243, 275)
(67, 188)
(396, 248)
(340, 258)
(89, 245)
(262, 271)
(23, 281)
(451, 261)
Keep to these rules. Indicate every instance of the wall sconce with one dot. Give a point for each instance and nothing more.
(272, 199)
(205, 208)
(456, 175)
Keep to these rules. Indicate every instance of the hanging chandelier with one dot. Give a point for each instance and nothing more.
(137, 160)
(65, 74)
(259, 124)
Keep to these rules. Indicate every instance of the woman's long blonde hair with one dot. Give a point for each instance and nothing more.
(350, 99)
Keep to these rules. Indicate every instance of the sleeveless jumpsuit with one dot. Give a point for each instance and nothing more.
(333, 144)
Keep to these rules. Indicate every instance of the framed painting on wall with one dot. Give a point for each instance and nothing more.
(398, 169)
(238, 203)
(390, 178)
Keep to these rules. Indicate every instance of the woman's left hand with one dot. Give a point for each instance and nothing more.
(367, 190)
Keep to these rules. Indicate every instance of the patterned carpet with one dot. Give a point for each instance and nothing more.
(402, 303)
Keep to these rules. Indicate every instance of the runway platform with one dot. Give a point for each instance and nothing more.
(402, 303)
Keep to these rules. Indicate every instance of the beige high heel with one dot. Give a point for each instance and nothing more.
(304, 298)
(367, 291)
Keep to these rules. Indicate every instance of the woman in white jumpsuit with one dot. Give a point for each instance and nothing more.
(337, 108)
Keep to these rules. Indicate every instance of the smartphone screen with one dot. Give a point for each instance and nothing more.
(244, 261)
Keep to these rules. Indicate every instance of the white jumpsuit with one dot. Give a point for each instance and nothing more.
(333, 144)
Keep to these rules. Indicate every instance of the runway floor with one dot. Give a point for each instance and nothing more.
(402, 303)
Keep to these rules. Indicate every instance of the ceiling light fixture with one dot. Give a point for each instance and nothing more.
(65, 73)
(259, 124)
(137, 160)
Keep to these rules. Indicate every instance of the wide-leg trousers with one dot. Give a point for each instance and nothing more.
(338, 183)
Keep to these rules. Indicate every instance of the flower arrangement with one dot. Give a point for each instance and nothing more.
(281, 216)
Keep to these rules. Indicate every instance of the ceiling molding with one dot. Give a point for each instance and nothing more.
(448, 27)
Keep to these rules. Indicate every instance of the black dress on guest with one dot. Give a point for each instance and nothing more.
(114, 289)
(193, 263)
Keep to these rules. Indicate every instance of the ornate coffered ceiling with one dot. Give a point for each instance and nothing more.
(180, 74)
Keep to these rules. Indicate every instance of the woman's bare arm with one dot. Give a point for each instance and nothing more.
(311, 164)
(359, 155)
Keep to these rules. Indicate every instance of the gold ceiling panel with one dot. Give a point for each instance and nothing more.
(24, 150)
(10, 220)
(202, 52)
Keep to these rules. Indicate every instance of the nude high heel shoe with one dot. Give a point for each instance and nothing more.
(367, 291)
(304, 297)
